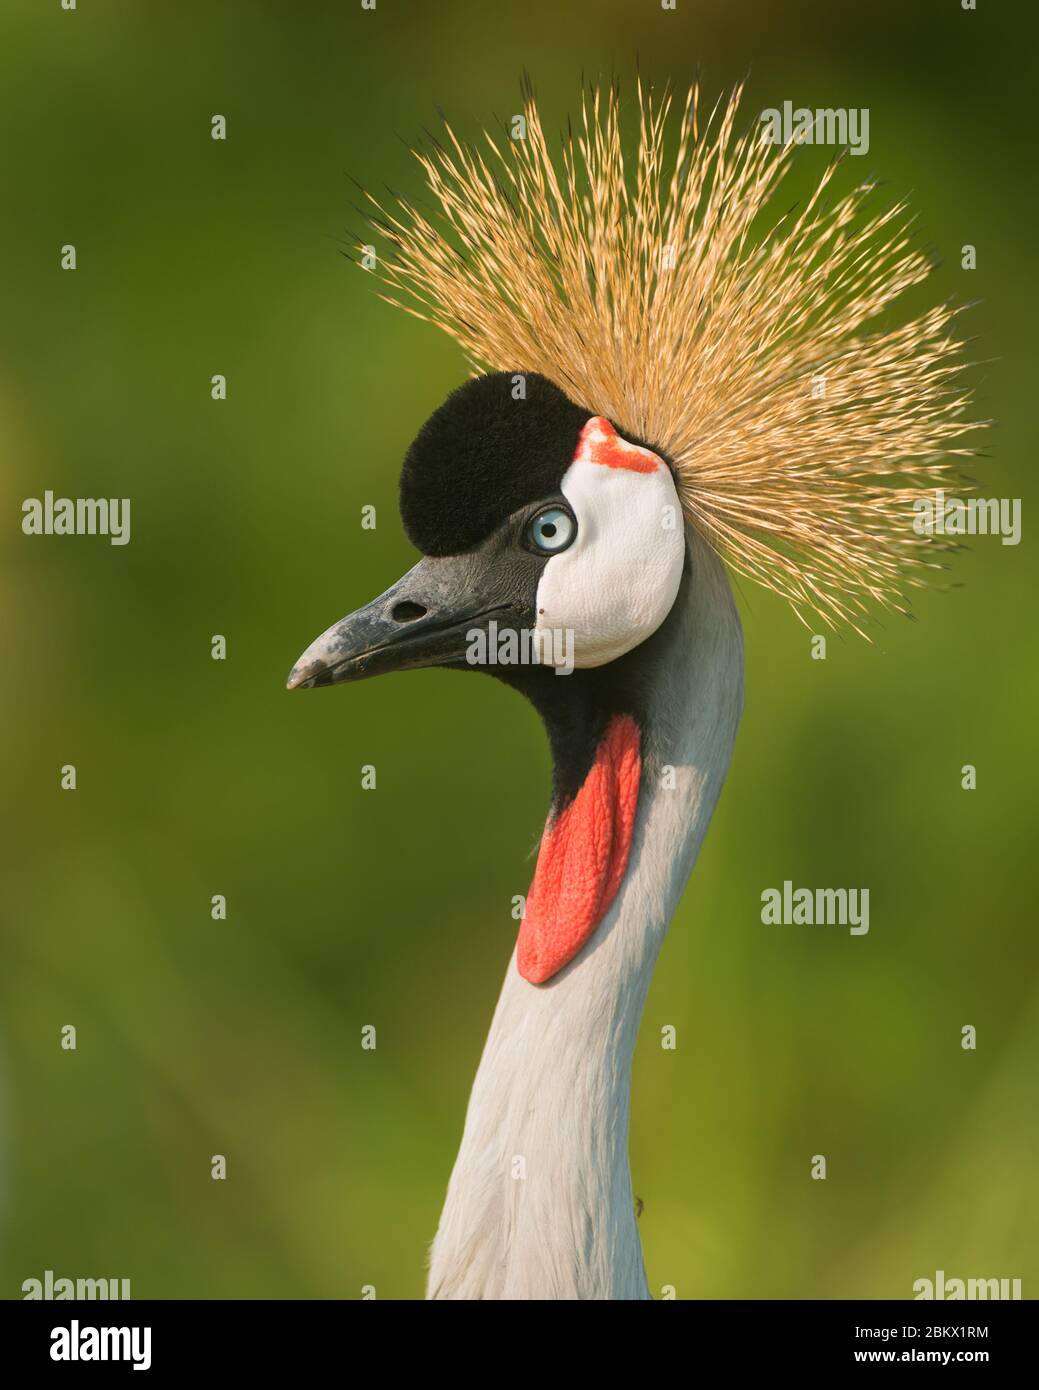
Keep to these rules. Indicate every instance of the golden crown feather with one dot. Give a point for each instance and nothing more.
(801, 433)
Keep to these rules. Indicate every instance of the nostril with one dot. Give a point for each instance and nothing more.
(407, 612)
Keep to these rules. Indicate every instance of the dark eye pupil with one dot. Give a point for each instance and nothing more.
(549, 529)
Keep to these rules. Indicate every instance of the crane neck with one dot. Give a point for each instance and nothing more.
(540, 1202)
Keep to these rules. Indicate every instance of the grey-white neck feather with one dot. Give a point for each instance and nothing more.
(540, 1201)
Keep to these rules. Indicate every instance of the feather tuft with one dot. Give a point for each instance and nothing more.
(660, 288)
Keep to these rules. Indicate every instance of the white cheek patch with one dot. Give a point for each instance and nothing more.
(616, 584)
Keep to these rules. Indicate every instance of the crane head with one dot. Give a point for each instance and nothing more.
(551, 546)
(546, 538)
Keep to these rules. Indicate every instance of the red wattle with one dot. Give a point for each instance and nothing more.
(583, 856)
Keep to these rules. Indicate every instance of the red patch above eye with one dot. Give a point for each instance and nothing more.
(600, 443)
(583, 856)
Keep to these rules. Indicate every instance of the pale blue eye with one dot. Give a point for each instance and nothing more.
(552, 530)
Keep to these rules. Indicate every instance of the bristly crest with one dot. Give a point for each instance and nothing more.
(801, 431)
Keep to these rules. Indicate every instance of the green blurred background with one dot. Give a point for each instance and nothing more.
(349, 907)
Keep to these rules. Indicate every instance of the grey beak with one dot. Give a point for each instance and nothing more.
(425, 619)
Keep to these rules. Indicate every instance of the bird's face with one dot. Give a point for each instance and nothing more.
(547, 539)
(550, 545)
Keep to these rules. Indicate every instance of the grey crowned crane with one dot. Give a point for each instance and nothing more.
(662, 389)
